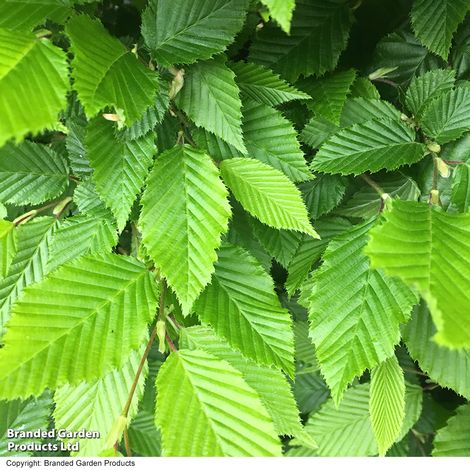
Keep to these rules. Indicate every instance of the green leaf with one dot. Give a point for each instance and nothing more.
(253, 321)
(367, 203)
(346, 429)
(387, 402)
(461, 187)
(30, 102)
(427, 87)
(281, 11)
(272, 139)
(8, 246)
(181, 32)
(361, 110)
(79, 235)
(271, 385)
(317, 131)
(28, 265)
(329, 94)
(313, 21)
(323, 194)
(425, 248)
(210, 97)
(447, 117)
(266, 194)
(120, 166)
(447, 367)
(97, 405)
(453, 440)
(144, 437)
(28, 415)
(31, 174)
(184, 212)
(263, 85)
(355, 311)
(436, 21)
(108, 317)
(205, 408)
(107, 74)
(369, 146)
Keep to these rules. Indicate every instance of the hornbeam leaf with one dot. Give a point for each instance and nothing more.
(59, 333)
(355, 311)
(241, 306)
(313, 22)
(369, 146)
(281, 11)
(31, 174)
(261, 84)
(181, 32)
(447, 367)
(271, 385)
(144, 437)
(184, 212)
(266, 194)
(436, 21)
(210, 97)
(272, 139)
(461, 187)
(360, 110)
(107, 74)
(8, 245)
(425, 88)
(96, 405)
(205, 408)
(30, 102)
(448, 116)
(27, 415)
(120, 166)
(453, 440)
(344, 430)
(425, 248)
(387, 402)
(29, 263)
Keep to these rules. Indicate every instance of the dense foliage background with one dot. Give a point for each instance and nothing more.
(236, 227)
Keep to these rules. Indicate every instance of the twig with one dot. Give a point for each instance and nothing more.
(127, 444)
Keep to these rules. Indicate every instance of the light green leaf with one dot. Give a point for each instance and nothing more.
(271, 385)
(97, 405)
(447, 367)
(427, 87)
(119, 166)
(425, 248)
(8, 246)
(367, 203)
(344, 430)
(181, 32)
(461, 187)
(317, 131)
(107, 319)
(361, 110)
(453, 440)
(28, 265)
(272, 139)
(210, 97)
(263, 85)
(448, 116)
(369, 146)
(266, 194)
(28, 415)
(79, 235)
(436, 21)
(355, 311)
(30, 102)
(281, 11)
(205, 408)
(107, 74)
(31, 174)
(387, 402)
(184, 212)
(313, 21)
(240, 304)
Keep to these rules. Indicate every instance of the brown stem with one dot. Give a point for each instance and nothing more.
(373, 184)
(127, 444)
(170, 343)
(153, 335)
(33, 213)
(388, 82)
(453, 162)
